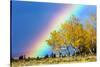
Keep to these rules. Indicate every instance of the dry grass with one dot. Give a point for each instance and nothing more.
(64, 60)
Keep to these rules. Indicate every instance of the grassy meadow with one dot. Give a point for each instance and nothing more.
(57, 60)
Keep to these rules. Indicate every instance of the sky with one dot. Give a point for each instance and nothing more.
(32, 23)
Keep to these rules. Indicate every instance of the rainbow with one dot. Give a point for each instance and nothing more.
(41, 46)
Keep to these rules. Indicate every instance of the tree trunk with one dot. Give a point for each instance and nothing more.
(90, 51)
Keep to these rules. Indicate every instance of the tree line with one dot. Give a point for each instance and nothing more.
(81, 36)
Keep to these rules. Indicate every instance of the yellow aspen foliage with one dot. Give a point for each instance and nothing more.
(74, 33)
